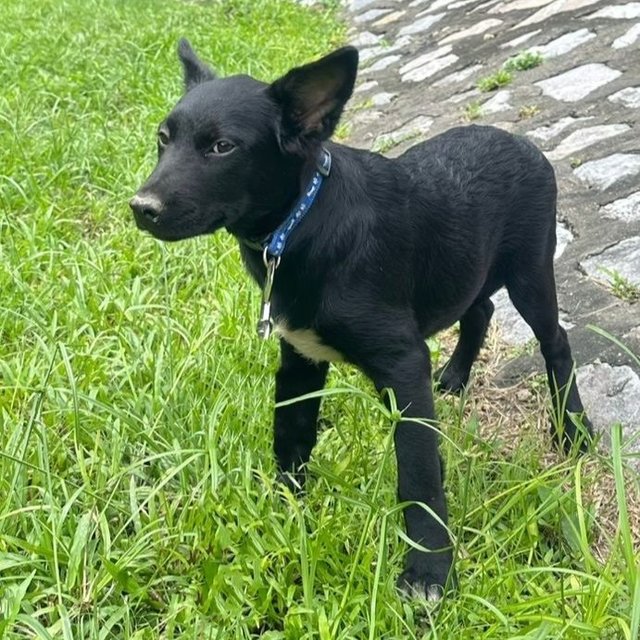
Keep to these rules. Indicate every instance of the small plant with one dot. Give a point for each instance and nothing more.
(383, 144)
(331, 5)
(495, 80)
(388, 141)
(342, 131)
(621, 287)
(523, 61)
(575, 162)
(528, 111)
(473, 111)
(361, 106)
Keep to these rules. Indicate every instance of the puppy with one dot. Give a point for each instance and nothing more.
(361, 257)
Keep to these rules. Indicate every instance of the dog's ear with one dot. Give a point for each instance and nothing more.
(312, 98)
(195, 71)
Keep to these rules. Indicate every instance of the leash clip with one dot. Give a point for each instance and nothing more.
(324, 163)
(275, 246)
(265, 323)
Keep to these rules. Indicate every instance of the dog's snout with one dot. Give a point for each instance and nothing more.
(147, 206)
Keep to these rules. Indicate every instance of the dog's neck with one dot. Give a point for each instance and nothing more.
(270, 220)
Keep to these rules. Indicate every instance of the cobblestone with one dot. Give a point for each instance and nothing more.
(577, 83)
(581, 106)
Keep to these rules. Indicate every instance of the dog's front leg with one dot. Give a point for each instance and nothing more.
(408, 374)
(295, 424)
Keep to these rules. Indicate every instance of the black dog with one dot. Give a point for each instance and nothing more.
(390, 251)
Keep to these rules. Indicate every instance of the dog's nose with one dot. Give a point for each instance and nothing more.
(147, 206)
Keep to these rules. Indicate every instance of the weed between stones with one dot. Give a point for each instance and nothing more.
(494, 81)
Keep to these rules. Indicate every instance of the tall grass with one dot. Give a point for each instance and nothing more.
(136, 479)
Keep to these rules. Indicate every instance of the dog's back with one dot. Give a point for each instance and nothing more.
(489, 182)
(482, 203)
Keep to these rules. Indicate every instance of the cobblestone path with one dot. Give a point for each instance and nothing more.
(577, 95)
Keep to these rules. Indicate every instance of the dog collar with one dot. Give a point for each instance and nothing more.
(275, 242)
(273, 247)
(276, 245)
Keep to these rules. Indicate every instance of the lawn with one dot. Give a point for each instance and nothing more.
(137, 497)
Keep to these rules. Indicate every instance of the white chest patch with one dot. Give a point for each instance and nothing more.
(307, 343)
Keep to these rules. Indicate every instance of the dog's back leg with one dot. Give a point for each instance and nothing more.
(454, 375)
(295, 425)
(533, 293)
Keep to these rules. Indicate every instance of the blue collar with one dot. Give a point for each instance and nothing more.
(273, 248)
(275, 245)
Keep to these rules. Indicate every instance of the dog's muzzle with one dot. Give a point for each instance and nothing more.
(146, 208)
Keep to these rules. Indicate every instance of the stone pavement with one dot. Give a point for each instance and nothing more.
(420, 64)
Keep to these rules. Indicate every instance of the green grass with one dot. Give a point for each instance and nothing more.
(494, 81)
(523, 61)
(621, 287)
(384, 144)
(528, 111)
(387, 141)
(136, 479)
(473, 111)
(342, 131)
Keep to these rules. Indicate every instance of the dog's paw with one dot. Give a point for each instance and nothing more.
(574, 438)
(426, 576)
(449, 378)
(292, 480)
(419, 590)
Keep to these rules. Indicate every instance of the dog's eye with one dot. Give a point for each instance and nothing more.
(163, 137)
(220, 148)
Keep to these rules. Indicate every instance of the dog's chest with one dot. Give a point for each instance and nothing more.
(307, 343)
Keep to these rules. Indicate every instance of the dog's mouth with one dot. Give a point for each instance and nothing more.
(146, 223)
(171, 229)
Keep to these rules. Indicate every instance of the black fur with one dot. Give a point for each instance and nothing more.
(390, 252)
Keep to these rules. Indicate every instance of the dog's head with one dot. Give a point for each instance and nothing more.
(231, 151)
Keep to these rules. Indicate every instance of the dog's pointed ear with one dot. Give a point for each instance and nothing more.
(312, 98)
(195, 71)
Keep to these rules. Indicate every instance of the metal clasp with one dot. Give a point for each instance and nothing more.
(265, 324)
